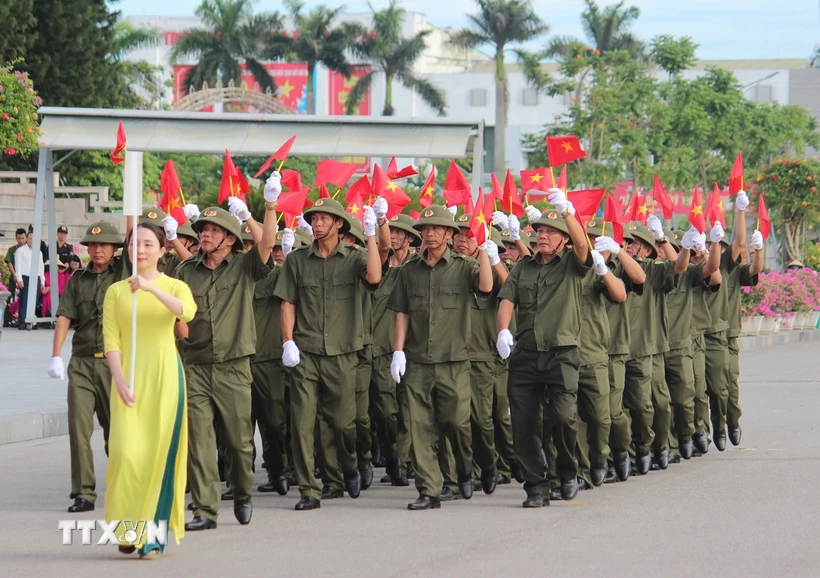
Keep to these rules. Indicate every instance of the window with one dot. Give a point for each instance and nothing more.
(478, 97)
(530, 97)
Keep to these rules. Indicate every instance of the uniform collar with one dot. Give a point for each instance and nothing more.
(203, 257)
(536, 257)
(447, 256)
(342, 249)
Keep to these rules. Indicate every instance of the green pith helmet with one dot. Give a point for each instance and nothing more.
(302, 235)
(330, 207)
(405, 223)
(102, 232)
(600, 228)
(551, 219)
(463, 221)
(297, 241)
(675, 238)
(526, 237)
(641, 233)
(356, 229)
(246, 233)
(186, 230)
(437, 216)
(222, 218)
(153, 215)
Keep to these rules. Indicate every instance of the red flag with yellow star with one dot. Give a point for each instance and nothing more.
(714, 207)
(427, 189)
(478, 221)
(536, 179)
(511, 201)
(280, 155)
(361, 188)
(118, 155)
(696, 217)
(233, 182)
(660, 195)
(171, 201)
(393, 171)
(389, 191)
(563, 149)
(637, 210)
(737, 182)
(355, 206)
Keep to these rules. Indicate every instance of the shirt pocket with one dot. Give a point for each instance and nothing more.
(87, 307)
(450, 296)
(527, 295)
(343, 287)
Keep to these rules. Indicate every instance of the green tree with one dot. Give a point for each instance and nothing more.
(394, 56)
(19, 130)
(500, 24)
(315, 41)
(232, 36)
(142, 76)
(605, 30)
(19, 31)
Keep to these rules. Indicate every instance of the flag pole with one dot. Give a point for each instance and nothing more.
(132, 207)
(281, 164)
(182, 197)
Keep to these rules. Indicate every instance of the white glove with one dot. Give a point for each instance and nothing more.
(56, 369)
(305, 226)
(607, 244)
(380, 208)
(273, 187)
(690, 239)
(742, 201)
(700, 243)
(369, 221)
(290, 354)
(170, 225)
(453, 210)
(570, 208)
(492, 252)
(599, 264)
(288, 240)
(239, 209)
(505, 343)
(398, 366)
(514, 228)
(501, 220)
(653, 223)
(558, 199)
(191, 211)
(716, 234)
(533, 213)
(757, 240)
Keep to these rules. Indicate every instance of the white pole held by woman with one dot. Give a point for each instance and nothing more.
(132, 207)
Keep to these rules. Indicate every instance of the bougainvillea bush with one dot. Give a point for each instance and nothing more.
(779, 294)
(19, 126)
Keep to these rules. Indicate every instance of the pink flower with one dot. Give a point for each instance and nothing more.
(5, 116)
(19, 137)
(10, 152)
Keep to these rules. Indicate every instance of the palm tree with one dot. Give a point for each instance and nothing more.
(315, 41)
(393, 56)
(606, 30)
(500, 24)
(233, 35)
(142, 77)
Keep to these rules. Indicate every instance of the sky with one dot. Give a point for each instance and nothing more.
(723, 29)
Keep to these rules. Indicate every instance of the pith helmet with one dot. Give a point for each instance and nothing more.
(641, 233)
(102, 232)
(551, 219)
(405, 223)
(153, 215)
(356, 228)
(330, 207)
(186, 230)
(297, 240)
(302, 235)
(675, 238)
(246, 232)
(437, 216)
(222, 218)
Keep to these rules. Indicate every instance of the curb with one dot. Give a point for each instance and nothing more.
(32, 426)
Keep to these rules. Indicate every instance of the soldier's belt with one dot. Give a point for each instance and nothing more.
(99, 355)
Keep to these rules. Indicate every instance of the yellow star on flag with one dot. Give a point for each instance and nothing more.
(642, 209)
(720, 206)
(567, 146)
(536, 178)
(480, 218)
(428, 191)
(697, 210)
(286, 88)
(173, 204)
(354, 209)
(392, 186)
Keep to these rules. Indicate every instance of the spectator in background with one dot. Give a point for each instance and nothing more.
(22, 268)
(64, 249)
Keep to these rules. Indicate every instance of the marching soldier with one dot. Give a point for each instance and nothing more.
(89, 380)
(433, 326)
(217, 355)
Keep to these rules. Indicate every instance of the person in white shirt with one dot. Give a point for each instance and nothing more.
(22, 268)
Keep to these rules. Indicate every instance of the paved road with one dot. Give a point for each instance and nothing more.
(751, 511)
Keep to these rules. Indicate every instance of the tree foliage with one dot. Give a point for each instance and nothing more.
(605, 29)
(19, 128)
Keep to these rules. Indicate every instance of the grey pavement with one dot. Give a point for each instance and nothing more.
(749, 511)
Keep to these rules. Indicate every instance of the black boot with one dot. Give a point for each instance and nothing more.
(81, 505)
(425, 503)
(243, 510)
(623, 467)
(701, 441)
(644, 461)
(366, 472)
(517, 472)
(307, 503)
(720, 440)
(569, 489)
(662, 457)
(353, 483)
(598, 475)
(686, 448)
(393, 469)
(536, 501)
(465, 485)
(489, 479)
(734, 434)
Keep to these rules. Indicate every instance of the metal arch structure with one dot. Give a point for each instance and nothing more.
(72, 129)
(197, 100)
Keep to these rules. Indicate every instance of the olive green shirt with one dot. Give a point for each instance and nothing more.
(548, 298)
(438, 301)
(82, 302)
(384, 318)
(701, 318)
(484, 324)
(680, 304)
(223, 328)
(595, 332)
(718, 301)
(618, 313)
(738, 278)
(267, 312)
(644, 309)
(327, 293)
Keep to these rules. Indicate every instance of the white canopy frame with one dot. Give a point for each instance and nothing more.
(75, 129)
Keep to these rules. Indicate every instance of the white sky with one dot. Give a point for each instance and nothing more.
(724, 29)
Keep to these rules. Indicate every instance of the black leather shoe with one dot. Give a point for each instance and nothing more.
(734, 434)
(331, 493)
(701, 441)
(583, 485)
(227, 495)
(502, 480)
(720, 440)
(489, 480)
(402, 480)
(448, 495)
(623, 467)
(465, 486)
(366, 473)
(307, 503)
(686, 447)
(611, 478)
(555, 495)
(569, 489)
(353, 483)
(674, 458)
(386, 479)
(393, 469)
(282, 486)
(517, 472)
(191, 507)
(200, 523)
(662, 457)
(243, 510)
(536, 501)
(80, 505)
(425, 503)
(644, 461)
(598, 475)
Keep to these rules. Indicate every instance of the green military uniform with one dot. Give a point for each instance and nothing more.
(329, 332)
(700, 323)
(216, 356)
(437, 381)
(89, 379)
(545, 361)
(739, 277)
